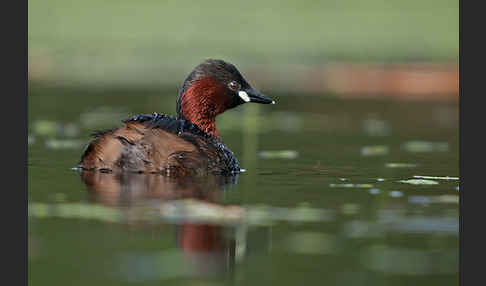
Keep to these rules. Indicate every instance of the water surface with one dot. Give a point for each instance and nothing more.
(336, 192)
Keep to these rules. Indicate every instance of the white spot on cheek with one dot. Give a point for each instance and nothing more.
(244, 96)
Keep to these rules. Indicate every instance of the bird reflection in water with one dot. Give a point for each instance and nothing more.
(206, 249)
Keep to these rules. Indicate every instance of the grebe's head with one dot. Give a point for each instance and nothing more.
(213, 87)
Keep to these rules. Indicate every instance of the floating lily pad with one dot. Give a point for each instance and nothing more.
(65, 144)
(425, 146)
(282, 154)
(351, 185)
(49, 128)
(400, 165)
(374, 150)
(419, 182)
(46, 127)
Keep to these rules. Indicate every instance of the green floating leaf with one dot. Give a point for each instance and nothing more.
(400, 165)
(419, 182)
(46, 127)
(351, 185)
(374, 150)
(283, 154)
(425, 146)
(64, 144)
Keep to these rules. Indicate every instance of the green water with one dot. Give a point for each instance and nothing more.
(320, 202)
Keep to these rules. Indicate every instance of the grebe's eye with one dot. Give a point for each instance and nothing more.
(234, 85)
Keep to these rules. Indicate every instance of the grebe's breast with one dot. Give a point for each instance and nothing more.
(158, 143)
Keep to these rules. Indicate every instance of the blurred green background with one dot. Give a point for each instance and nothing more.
(148, 42)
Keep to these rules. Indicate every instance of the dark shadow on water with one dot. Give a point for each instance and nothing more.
(120, 189)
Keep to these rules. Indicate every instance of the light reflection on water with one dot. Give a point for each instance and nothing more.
(311, 207)
(210, 237)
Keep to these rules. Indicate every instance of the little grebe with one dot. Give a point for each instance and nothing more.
(159, 143)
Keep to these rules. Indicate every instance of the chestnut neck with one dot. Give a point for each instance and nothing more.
(201, 102)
